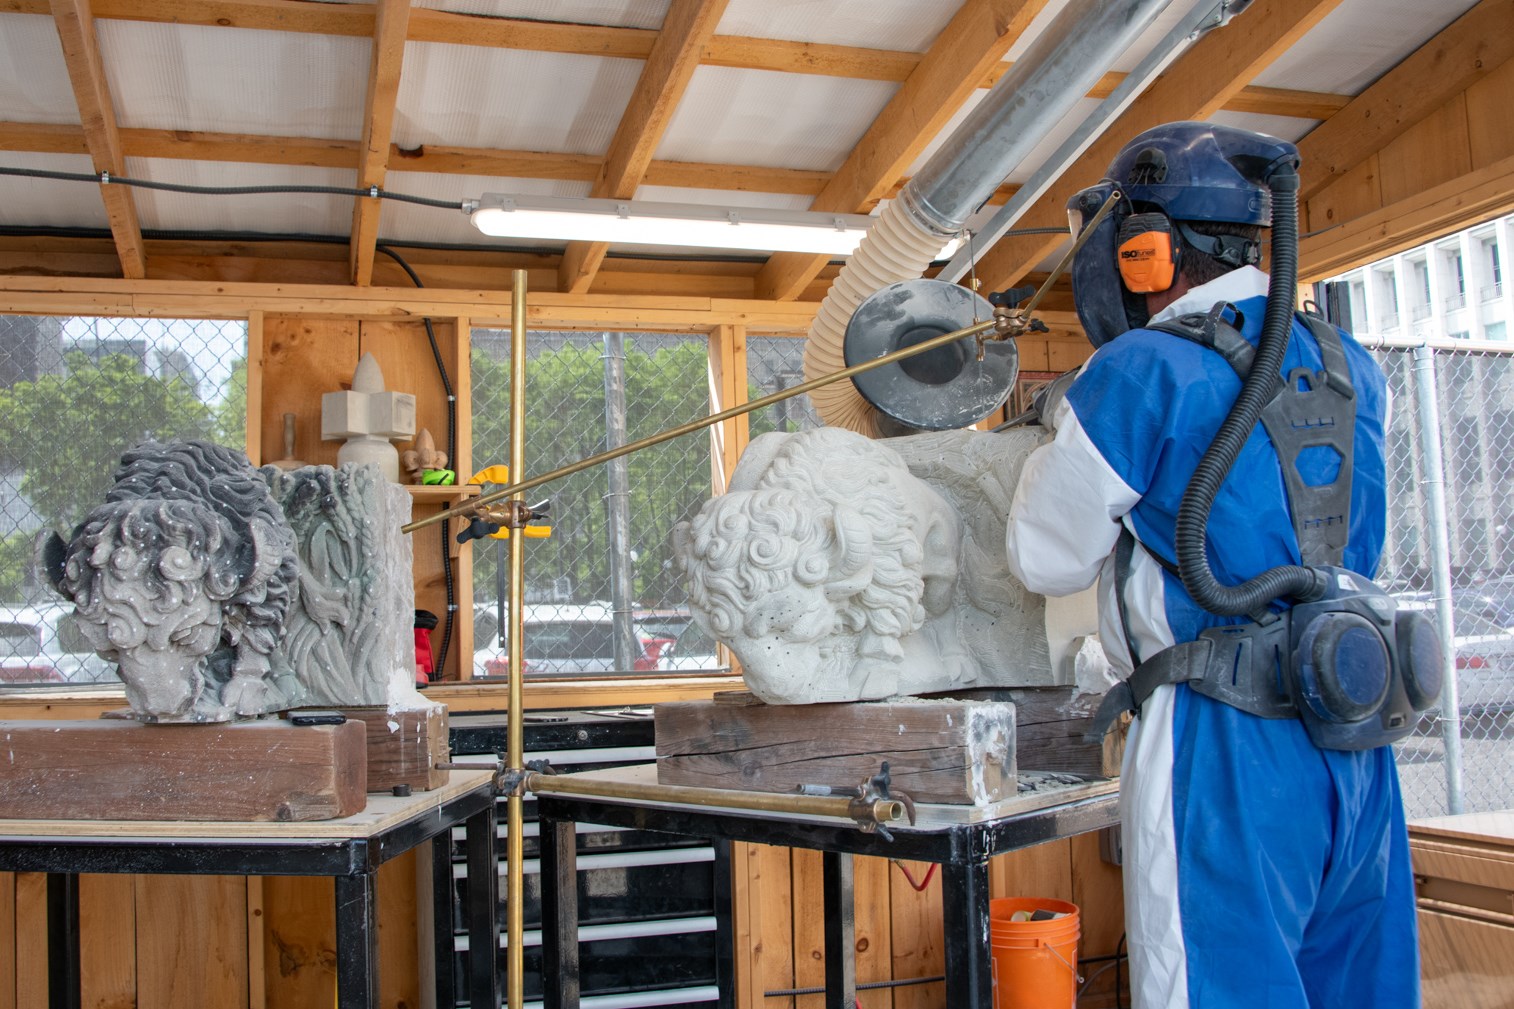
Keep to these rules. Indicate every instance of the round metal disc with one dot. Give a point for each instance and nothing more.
(942, 389)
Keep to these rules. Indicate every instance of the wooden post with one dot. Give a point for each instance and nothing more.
(728, 388)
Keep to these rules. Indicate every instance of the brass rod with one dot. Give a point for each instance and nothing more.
(881, 810)
(515, 725)
(473, 504)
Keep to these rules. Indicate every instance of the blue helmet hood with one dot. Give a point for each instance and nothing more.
(1189, 171)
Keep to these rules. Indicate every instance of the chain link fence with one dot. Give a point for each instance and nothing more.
(775, 363)
(75, 393)
(1460, 759)
(602, 594)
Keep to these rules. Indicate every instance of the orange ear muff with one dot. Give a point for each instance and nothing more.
(1147, 254)
(1146, 262)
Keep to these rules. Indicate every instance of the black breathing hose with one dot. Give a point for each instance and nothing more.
(1261, 383)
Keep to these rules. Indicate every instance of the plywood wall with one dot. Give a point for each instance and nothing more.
(1448, 171)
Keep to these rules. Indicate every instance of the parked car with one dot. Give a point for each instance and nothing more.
(1484, 655)
(564, 639)
(42, 644)
(689, 646)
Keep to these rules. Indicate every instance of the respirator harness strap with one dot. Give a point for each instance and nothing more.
(1243, 665)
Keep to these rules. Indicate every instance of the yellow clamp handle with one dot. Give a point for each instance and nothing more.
(500, 474)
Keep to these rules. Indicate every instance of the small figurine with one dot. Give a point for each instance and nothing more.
(424, 464)
(368, 416)
(289, 461)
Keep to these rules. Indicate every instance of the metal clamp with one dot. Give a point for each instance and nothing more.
(873, 802)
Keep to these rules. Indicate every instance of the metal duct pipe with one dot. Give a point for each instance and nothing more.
(1059, 68)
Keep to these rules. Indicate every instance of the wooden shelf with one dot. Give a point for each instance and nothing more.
(441, 495)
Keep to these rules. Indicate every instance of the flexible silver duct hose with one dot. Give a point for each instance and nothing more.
(1058, 69)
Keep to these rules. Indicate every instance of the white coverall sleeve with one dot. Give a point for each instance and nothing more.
(1065, 517)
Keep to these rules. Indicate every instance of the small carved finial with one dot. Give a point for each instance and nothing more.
(422, 456)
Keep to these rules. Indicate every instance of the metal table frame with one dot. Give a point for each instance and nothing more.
(963, 851)
(348, 850)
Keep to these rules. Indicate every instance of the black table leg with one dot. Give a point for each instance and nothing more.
(443, 907)
(63, 940)
(964, 906)
(357, 961)
(840, 932)
(559, 914)
(483, 911)
(725, 933)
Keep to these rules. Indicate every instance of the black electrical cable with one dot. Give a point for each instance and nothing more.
(1118, 998)
(861, 986)
(441, 369)
(105, 178)
(1256, 392)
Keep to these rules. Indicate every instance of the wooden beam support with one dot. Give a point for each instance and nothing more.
(454, 28)
(1475, 44)
(686, 30)
(29, 295)
(81, 52)
(390, 27)
(1451, 206)
(976, 38)
(1195, 86)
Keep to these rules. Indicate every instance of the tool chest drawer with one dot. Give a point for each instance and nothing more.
(647, 900)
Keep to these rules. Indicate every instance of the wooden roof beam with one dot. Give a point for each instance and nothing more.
(1198, 84)
(390, 27)
(976, 38)
(450, 27)
(686, 30)
(81, 52)
(1475, 44)
(248, 148)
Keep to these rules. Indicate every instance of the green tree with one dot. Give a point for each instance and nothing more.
(230, 420)
(565, 422)
(73, 428)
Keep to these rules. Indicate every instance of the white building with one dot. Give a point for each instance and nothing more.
(1455, 287)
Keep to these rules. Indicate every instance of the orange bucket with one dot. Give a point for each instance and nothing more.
(1035, 963)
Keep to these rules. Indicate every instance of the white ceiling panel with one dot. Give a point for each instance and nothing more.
(34, 86)
(281, 213)
(1358, 42)
(756, 117)
(1282, 127)
(511, 99)
(431, 224)
(618, 13)
(47, 203)
(188, 77)
(900, 25)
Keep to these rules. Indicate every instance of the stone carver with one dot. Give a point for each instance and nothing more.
(840, 568)
(183, 576)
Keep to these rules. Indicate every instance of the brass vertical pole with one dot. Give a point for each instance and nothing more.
(515, 757)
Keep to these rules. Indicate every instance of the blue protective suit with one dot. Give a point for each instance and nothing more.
(1259, 870)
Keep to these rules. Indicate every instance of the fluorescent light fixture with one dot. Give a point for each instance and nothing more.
(628, 222)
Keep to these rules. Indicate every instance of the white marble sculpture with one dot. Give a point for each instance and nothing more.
(368, 416)
(840, 568)
(183, 577)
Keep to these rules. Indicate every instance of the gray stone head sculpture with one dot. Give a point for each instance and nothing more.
(183, 577)
(840, 568)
